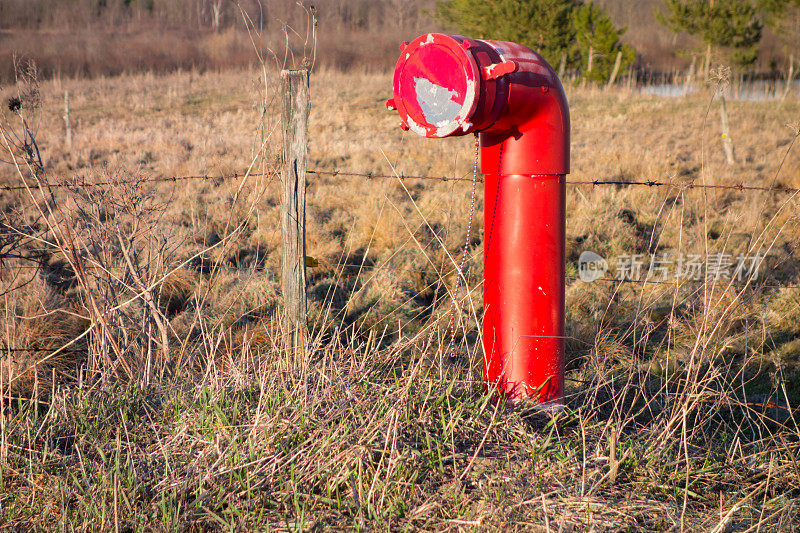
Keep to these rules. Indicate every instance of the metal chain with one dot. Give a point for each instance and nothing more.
(460, 274)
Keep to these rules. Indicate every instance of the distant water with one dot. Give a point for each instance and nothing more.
(758, 91)
(671, 90)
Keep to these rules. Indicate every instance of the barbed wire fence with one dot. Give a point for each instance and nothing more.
(370, 175)
(11, 236)
(6, 231)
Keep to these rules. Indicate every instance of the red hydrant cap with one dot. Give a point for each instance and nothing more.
(436, 85)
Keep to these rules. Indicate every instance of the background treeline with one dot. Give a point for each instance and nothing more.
(583, 36)
(213, 15)
(99, 37)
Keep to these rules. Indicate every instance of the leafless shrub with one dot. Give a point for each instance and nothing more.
(110, 241)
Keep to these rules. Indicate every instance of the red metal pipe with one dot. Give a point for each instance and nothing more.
(447, 85)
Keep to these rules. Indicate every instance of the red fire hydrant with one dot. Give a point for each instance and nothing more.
(447, 85)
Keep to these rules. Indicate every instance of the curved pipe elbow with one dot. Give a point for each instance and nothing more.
(448, 85)
(533, 135)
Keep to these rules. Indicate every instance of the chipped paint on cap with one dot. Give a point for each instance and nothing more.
(436, 85)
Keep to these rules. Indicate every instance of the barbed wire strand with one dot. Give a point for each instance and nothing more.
(375, 175)
(596, 182)
(162, 179)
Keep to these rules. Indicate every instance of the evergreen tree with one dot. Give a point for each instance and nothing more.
(729, 25)
(541, 25)
(595, 32)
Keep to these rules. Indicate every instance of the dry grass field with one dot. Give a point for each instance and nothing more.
(184, 403)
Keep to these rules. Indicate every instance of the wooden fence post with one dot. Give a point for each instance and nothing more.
(67, 126)
(295, 109)
(727, 143)
(789, 77)
(689, 77)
